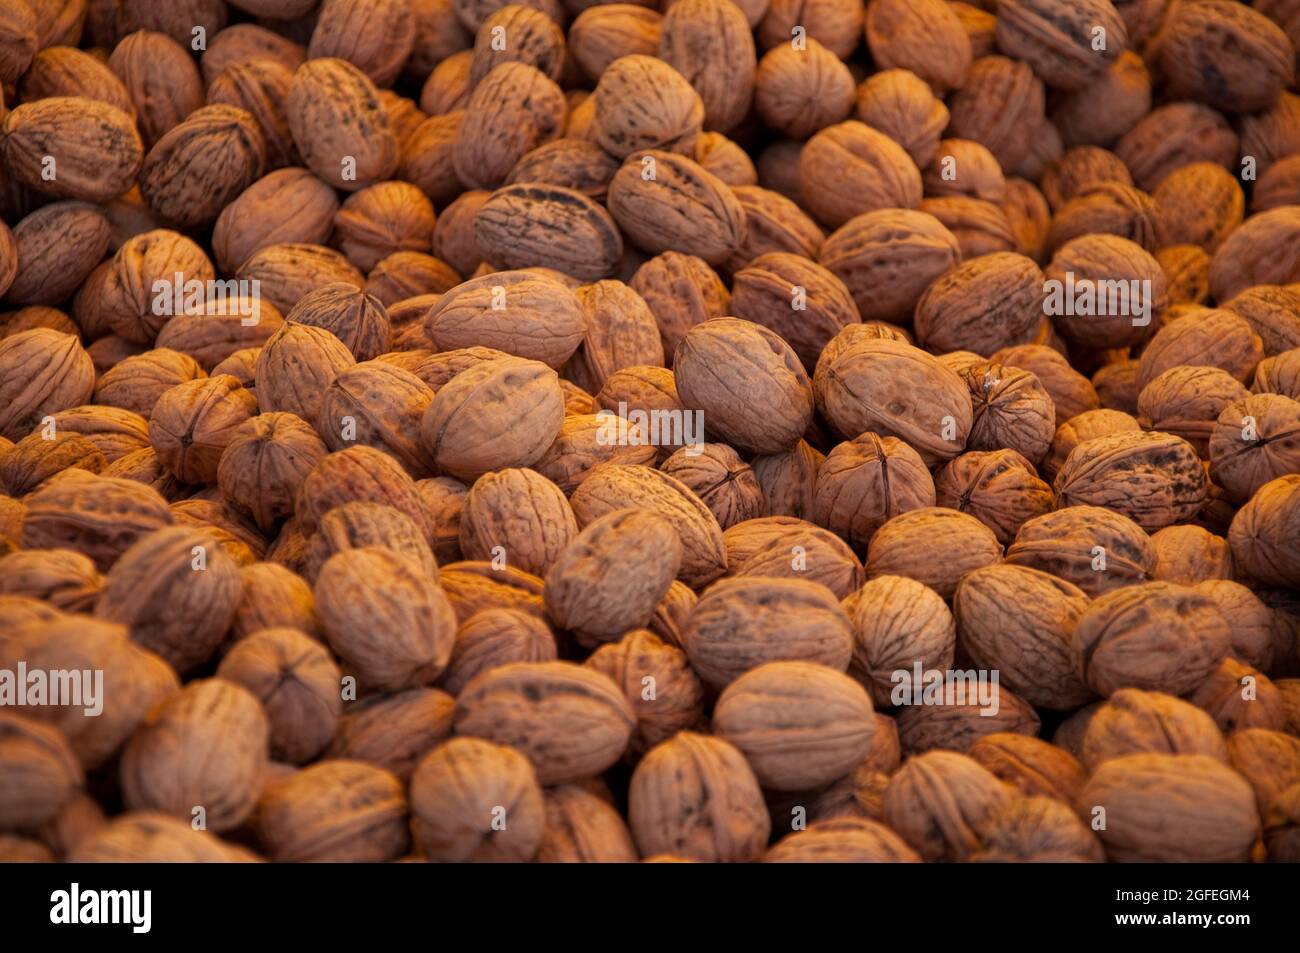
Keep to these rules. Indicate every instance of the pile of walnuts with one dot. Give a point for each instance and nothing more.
(557, 430)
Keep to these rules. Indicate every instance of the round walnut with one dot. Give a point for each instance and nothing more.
(1255, 439)
(1133, 721)
(42, 372)
(472, 800)
(204, 749)
(295, 366)
(502, 413)
(298, 685)
(511, 111)
(536, 224)
(475, 586)
(265, 463)
(799, 725)
(934, 546)
(788, 480)
(358, 320)
(1077, 273)
(903, 106)
(694, 796)
(925, 37)
(1000, 105)
(149, 837)
(644, 103)
(1058, 40)
(799, 91)
(1185, 401)
(850, 168)
(334, 812)
(571, 722)
(377, 404)
(273, 597)
(784, 547)
(1157, 636)
(599, 36)
(1207, 335)
(1238, 696)
(42, 454)
(682, 291)
(339, 124)
(491, 310)
(385, 617)
(1253, 622)
(42, 773)
(496, 637)
(609, 579)
(260, 87)
(1000, 488)
(665, 694)
(193, 423)
(62, 578)
(519, 512)
(846, 840)
(944, 804)
(867, 481)
(743, 622)
(1094, 548)
(982, 305)
(177, 590)
(1031, 765)
(95, 146)
(713, 45)
(888, 258)
(959, 715)
(1038, 830)
(1262, 535)
(1011, 410)
(136, 382)
(804, 303)
(58, 245)
(893, 389)
(1189, 555)
(95, 515)
(898, 624)
(394, 732)
(1156, 479)
(1018, 621)
(1164, 808)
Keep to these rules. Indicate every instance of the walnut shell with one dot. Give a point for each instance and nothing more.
(1000, 105)
(598, 36)
(43, 372)
(850, 168)
(799, 91)
(475, 586)
(260, 87)
(1190, 554)
(741, 623)
(547, 225)
(961, 715)
(472, 800)
(512, 110)
(1018, 621)
(1238, 696)
(898, 623)
(1157, 636)
(1038, 830)
(1034, 767)
(149, 837)
(571, 722)
(1211, 807)
(1252, 621)
(254, 220)
(280, 450)
(523, 514)
(1078, 271)
(199, 165)
(496, 637)
(334, 811)
(412, 644)
(612, 487)
(1094, 548)
(193, 422)
(99, 516)
(489, 311)
(895, 375)
(712, 44)
(842, 840)
(43, 774)
(273, 597)
(499, 414)
(867, 481)
(1262, 535)
(1060, 40)
(609, 579)
(361, 524)
(298, 685)
(1172, 136)
(783, 547)
(339, 124)
(375, 35)
(642, 102)
(962, 542)
(789, 480)
(1000, 488)
(95, 146)
(1133, 721)
(695, 796)
(682, 291)
(926, 38)
(581, 827)
(205, 747)
(394, 732)
(944, 804)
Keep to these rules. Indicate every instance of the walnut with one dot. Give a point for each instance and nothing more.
(1255, 439)
(1219, 337)
(925, 37)
(981, 305)
(1172, 136)
(964, 167)
(842, 840)
(1105, 110)
(514, 109)
(713, 45)
(682, 291)
(252, 221)
(789, 480)
(1273, 313)
(44, 774)
(260, 88)
(944, 804)
(1238, 696)
(412, 644)
(394, 732)
(898, 623)
(1038, 830)
(334, 811)
(1269, 760)
(339, 124)
(980, 227)
(999, 105)
(298, 685)
(95, 145)
(1096, 549)
(571, 722)
(360, 524)
(496, 637)
(202, 750)
(902, 106)
(599, 36)
(1036, 768)
(289, 272)
(850, 168)
(582, 827)
(1153, 478)
(56, 373)
(721, 479)
(536, 224)
(1253, 60)
(1160, 807)
(798, 92)
(281, 450)
(964, 542)
(1262, 535)
(867, 481)
(1000, 488)
(961, 719)
(462, 791)
(272, 597)
(695, 796)
(150, 837)
(1157, 636)
(1185, 400)
(612, 487)
(740, 623)
(58, 246)
(475, 586)
(1133, 721)
(1190, 554)
(1057, 39)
